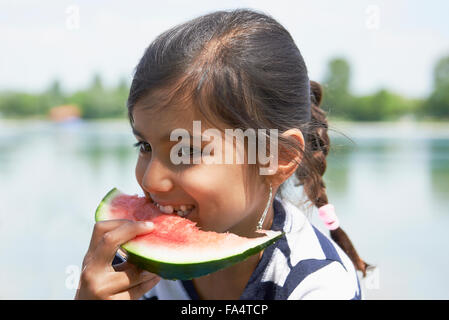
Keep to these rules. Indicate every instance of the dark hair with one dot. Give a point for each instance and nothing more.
(243, 68)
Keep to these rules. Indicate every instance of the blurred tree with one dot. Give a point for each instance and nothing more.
(52, 97)
(100, 102)
(17, 104)
(97, 82)
(441, 73)
(383, 105)
(437, 104)
(337, 99)
(123, 86)
(55, 89)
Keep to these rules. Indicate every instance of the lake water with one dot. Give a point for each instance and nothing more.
(390, 186)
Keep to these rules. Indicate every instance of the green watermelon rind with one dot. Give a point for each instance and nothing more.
(178, 271)
(107, 198)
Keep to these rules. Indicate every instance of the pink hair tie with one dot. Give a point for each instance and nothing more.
(328, 216)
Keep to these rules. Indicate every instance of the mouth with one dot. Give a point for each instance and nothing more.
(182, 210)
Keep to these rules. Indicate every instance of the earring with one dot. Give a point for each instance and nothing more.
(262, 219)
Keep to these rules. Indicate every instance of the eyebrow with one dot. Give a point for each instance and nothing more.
(137, 133)
(165, 137)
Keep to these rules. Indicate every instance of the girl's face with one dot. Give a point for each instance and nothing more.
(223, 197)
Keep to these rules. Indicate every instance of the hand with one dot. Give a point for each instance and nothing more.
(99, 280)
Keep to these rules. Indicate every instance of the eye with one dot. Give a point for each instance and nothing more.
(144, 147)
(189, 150)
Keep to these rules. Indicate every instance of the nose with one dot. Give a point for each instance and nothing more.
(156, 177)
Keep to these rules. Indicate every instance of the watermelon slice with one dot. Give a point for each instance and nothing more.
(177, 248)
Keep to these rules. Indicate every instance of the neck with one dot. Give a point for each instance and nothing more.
(226, 284)
(248, 226)
(229, 283)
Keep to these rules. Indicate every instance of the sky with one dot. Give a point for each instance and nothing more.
(389, 44)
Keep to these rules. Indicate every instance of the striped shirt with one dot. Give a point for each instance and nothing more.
(303, 264)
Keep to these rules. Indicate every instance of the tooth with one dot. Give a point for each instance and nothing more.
(178, 212)
(181, 211)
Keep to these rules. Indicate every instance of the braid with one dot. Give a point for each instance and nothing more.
(311, 174)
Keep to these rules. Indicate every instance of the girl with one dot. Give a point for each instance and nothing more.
(228, 70)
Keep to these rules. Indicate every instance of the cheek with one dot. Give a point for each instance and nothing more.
(219, 191)
(140, 170)
(214, 179)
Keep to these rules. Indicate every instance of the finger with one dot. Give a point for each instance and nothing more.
(128, 278)
(101, 227)
(111, 240)
(122, 266)
(138, 291)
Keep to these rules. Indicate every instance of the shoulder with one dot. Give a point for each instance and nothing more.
(326, 272)
(307, 264)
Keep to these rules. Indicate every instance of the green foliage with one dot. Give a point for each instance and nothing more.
(339, 102)
(383, 105)
(337, 98)
(99, 101)
(95, 102)
(16, 103)
(437, 104)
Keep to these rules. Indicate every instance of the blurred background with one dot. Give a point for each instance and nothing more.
(65, 71)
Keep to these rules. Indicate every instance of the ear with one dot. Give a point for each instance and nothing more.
(289, 158)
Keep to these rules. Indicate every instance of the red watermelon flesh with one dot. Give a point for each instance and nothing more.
(177, 248)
